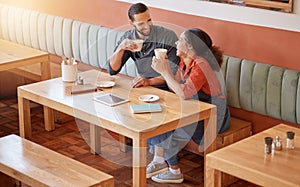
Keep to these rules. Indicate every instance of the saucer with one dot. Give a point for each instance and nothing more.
(148, 98)
(105, 84)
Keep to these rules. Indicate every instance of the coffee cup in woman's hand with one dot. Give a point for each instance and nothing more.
(160, 53)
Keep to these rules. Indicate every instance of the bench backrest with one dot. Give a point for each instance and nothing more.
(262, 88)
(252, 86)
(88, 43)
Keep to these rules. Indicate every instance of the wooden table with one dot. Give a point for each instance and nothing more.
(36, 165)
(246, 160)
(119, 119)
(15, 56)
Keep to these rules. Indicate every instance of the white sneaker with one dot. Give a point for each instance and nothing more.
(155, 168)
(168, 177)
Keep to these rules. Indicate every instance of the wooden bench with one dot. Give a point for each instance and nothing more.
(36, 165)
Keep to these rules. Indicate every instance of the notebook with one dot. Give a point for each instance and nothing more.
(77, 89)
(144, 108)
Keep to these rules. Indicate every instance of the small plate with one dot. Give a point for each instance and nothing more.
(106, 84)
(148, 98)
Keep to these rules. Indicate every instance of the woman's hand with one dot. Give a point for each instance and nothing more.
(160, 65)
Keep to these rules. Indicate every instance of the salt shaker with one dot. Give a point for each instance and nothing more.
(290, 140)
(278, 143)
(268, 145)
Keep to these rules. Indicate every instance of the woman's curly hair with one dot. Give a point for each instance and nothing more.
(203, 47)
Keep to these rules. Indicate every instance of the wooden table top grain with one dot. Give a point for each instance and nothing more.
(14, 55)
(247, 160)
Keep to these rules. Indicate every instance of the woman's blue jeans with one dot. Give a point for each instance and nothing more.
(174, 141)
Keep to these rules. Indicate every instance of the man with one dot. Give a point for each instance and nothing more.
(154, 37)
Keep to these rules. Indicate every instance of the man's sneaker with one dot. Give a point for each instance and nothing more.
(168, 177)
(155, 168)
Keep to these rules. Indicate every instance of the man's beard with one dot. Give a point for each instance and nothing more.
(142, 33)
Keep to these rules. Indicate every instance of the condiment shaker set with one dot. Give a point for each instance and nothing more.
(68, 61)
(68, 69)
(276, 144)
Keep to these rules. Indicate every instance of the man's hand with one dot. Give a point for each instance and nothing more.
(140, 81)
(115, 61)
(128, 44)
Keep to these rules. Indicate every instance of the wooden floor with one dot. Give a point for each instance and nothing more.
(69, 139)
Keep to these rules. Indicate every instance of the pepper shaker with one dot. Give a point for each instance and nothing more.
(290, 140)
(268, 145)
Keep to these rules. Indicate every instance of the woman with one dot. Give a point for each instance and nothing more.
(197, 78)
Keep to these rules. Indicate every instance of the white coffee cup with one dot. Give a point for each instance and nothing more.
(139, 44)
(160, 53)
(69, 72)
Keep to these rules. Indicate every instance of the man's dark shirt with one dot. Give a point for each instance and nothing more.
(159, 37)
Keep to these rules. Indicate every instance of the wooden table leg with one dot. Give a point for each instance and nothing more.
(124, 142)
(45, 70)
(95, 139)
(139, 161)
(210, 132)
(212, 176)
(210, 135)
(24, 117)
(49, 118)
